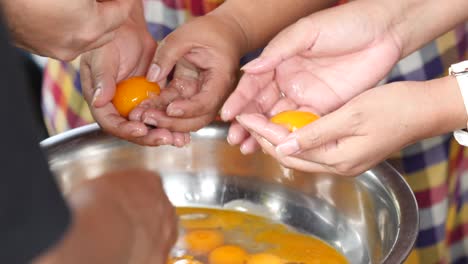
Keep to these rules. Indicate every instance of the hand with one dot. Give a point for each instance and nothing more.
(317, 64)
(121, 217)
(129, 54)
(64, 29)
(206, 53)
(367, 129)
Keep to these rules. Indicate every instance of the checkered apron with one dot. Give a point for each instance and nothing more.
(436, 169)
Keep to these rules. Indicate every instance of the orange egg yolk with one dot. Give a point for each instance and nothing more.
(203, 241)
(228, 254)
(263, 258)
(131, 92)
(294, 120)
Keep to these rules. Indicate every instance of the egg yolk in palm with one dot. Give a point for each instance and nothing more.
(294, 120)
(203, 241)
(131, 92)
(227, 254)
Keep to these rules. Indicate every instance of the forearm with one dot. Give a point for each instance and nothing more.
(417, 22)
(261, 20)
(440, 107)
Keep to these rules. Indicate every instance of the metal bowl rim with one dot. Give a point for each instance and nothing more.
(408, 208)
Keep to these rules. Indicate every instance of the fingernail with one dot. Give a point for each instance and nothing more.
(165, 141)
(137, 132)
(175, 112)
(254, 64)
(229, 140)
(289, 147)
(153, 73)
(243, 149)
(97, 94)
(239, 119)
(150, 121)
(224, 114)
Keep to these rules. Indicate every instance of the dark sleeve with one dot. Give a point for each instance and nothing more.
(33, 213)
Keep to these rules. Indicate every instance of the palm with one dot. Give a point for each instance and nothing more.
(326, 83)
(315, 65)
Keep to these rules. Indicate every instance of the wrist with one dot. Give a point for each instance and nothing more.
(414, 23)
(444, 107)
(235, 29)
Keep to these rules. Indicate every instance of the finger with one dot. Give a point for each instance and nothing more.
(237, 134)
(176, 124)
(296, 39)
(157, 137)
(169, 51)
(206, 101)
(288, 161)
(111, 122)
(179, 139)
(262, 126)
(329, 128)
(103, 70)
(249, 146)
(187, 138)
(247, 89)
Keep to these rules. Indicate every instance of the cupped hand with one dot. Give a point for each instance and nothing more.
(318, 63)
(64, 29)
(129, 54)
(361, 133)
(204, 55)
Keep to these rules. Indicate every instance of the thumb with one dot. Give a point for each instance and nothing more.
(103, 66)
(169, 52)
(295, 39)
(326, 129)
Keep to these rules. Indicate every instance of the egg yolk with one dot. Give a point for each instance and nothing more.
(294, 120)
(263, 258)
(131, 92)
(227, 254)
(203, 241)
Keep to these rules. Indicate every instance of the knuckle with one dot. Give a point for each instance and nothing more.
(312, 139)
(66, 54)
(85, 37)
(344, 168)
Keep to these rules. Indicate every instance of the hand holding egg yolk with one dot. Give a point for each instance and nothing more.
(294, 120)
(131, 92)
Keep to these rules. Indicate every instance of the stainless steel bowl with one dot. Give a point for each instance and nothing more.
(371, 219)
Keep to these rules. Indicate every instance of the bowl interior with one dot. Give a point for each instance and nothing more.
(370, 219)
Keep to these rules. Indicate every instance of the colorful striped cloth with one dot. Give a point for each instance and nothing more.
(436, 169)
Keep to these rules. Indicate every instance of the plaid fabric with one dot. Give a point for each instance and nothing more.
(436, 169)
